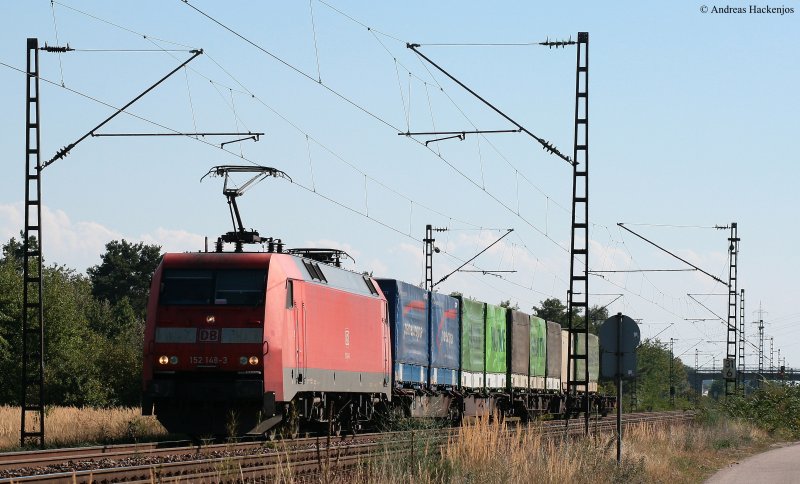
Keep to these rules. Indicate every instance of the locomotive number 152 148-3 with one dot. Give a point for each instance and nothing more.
(208, 360)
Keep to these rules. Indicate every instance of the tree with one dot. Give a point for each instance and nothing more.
(125, 272)
(507, 304)
(10, 326)
(554, 310)
(93, 348)
(653, 377)
(597, 315)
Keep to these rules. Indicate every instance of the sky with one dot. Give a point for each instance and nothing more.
(692, 125)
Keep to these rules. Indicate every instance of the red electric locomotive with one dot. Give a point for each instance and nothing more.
(260, 342)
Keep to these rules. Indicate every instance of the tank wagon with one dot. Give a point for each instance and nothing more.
(266, 342)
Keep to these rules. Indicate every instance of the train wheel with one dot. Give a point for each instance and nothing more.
(382, 418)
(454, 414)
(350, 418)
(291, 422)
(293, 427)
(332, 426)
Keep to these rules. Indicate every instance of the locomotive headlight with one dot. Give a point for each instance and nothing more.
(243, 360)
(253, 360)
(163, 360)
(173, 360)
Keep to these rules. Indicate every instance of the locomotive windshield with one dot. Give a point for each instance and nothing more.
(212, 287)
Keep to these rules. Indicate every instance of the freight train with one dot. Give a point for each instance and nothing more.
(262, 343)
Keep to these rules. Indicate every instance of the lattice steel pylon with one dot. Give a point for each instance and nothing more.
(760, 347)
(740, 378)
(32, 395)
(578, 294)
(428, 241)
(733, 296)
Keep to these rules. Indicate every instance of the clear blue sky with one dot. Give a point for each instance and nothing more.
(693, 121)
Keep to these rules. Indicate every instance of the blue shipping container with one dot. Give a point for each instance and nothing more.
(445, 338)
(408, 319)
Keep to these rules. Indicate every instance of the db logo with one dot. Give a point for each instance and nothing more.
(209, 335)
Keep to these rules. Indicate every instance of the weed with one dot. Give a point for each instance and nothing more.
(69, 426)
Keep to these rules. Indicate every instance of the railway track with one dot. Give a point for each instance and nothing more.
(252, 461)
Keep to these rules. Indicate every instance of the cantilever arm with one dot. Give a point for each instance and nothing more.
(65, 150)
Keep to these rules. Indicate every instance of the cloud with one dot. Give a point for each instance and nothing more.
(79, 245)
(176, 240)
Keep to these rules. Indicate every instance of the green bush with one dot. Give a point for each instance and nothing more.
(774, 407)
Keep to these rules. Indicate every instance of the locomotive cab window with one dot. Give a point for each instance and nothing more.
(212, 287)
(243, 288)
(187, 287)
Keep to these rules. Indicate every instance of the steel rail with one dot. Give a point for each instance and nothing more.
(226, 462)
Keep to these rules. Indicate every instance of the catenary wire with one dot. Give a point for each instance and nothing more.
(58, 42)
(295, 69)
(489, 142)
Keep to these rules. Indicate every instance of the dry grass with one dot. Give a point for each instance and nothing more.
(481, 452)
(490, 453)
(691, 453)
(70, 426)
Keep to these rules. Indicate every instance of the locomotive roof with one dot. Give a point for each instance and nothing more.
(296, 268)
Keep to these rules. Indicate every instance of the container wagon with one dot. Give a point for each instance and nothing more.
(425, 345)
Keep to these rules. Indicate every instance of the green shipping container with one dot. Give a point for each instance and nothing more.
(495, 339)
(473, 335)
(538, 346)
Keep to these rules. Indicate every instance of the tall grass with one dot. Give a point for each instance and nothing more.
(488, 452)
(479, 452)
(72, 426)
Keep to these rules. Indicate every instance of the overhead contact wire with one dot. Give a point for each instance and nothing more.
(139, 34)
(371, 29)
(295, 69)
(314, 30)
(151, 39)
(191, 104)
(438, 154)
(251, 161)
(325, 147)
(58, 42)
